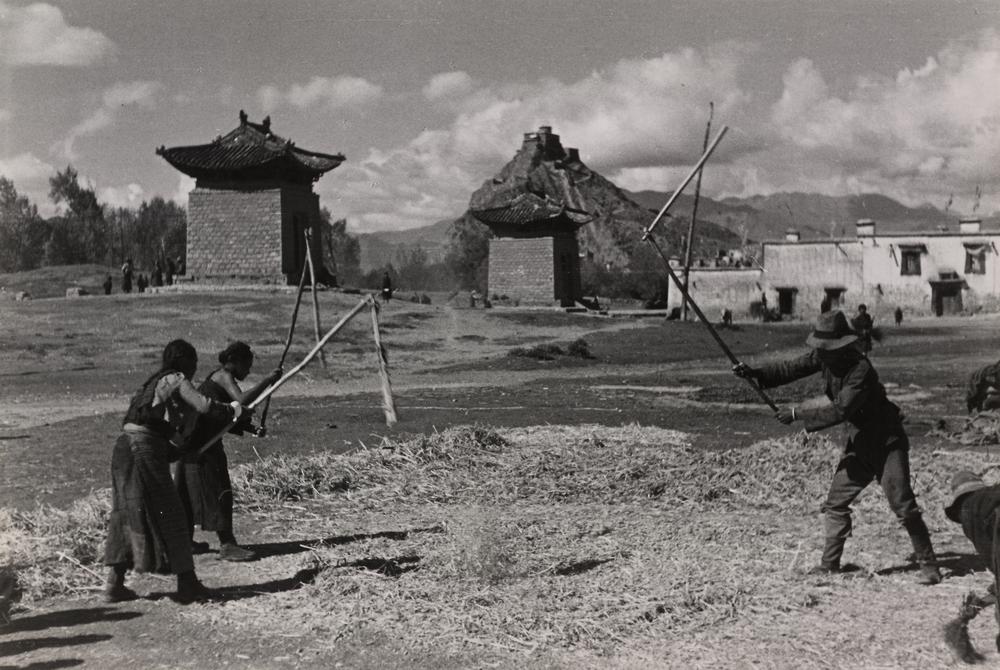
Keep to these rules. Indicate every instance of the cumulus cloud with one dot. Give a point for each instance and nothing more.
(129, 195)
(30, 176)
(930, 130)
(918, 136)
(114, 100)
(448, 84)
(638, 113)
(38, 34)
(334, 93)
(185, 185)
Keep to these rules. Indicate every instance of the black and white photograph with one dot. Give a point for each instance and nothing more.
(510, 334)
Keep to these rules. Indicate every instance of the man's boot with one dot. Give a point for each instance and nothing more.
(838, 529)
(189, 589)
(115, 590)
(923, 550)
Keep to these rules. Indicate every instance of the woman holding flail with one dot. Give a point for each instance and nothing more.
(202, 476)
(146, 529)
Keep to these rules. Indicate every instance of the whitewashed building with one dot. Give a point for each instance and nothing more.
(941, 272)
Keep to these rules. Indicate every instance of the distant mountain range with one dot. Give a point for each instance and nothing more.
(721, 223)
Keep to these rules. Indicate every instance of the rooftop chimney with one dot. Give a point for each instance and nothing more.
(865, 228)
(969, 224)
(792, 235)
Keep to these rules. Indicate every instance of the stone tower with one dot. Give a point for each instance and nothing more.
(252, 204)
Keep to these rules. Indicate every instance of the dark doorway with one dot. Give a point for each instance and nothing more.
(835, 296)
(786, 301)
(946, 296)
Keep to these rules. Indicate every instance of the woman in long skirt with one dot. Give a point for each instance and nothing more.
(147, 530)
(202, 479)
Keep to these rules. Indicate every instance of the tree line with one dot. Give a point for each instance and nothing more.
(86, 230)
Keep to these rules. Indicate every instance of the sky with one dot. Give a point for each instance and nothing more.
(427, 99)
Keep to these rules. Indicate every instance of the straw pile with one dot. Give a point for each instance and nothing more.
(55, 551)
(586, 539)
(978, 430)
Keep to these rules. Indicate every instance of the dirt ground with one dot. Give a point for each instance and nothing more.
(67, 367)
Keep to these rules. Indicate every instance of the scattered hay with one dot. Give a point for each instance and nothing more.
(585, 538)
(54, 551)
(978, 430)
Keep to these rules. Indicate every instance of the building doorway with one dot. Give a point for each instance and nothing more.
(946, 296)
(835, 296)
(786, 301)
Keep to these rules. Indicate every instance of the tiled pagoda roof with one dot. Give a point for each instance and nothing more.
(250, 151)
(536, 190)
(525, 209)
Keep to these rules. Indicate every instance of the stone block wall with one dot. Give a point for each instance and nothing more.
(235, 234)
(523, 269)
(300, 211)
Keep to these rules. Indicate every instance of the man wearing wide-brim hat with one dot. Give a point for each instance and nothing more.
(877, 446)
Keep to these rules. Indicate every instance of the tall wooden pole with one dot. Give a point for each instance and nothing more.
(648, 232)
(262, 429)
(694, 215)
(388, 404)
(269, 391)
(312, 278)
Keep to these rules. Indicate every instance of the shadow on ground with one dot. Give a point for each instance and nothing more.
(267, 549)
(71, 617)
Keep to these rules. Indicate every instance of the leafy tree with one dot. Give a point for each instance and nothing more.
(159, 233)
(81, 235)
(341, 250)
(468, 253)
(414, 271)
(22, 231)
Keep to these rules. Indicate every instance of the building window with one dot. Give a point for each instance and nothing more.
(909, 262)
(975, 260)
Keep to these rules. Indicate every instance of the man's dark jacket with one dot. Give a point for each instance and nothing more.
(856, 396)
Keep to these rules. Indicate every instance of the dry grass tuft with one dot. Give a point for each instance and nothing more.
(980, 429)
(54, 551)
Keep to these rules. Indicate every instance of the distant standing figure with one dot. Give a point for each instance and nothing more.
(727, 318)
(127, 276)
(386, 287)
(898, 314)
(862, 323)
(157, 277)
(171, 270)
(473, 297)
(763, 301)
(181, 269)
(141, 283)
(107, 285)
